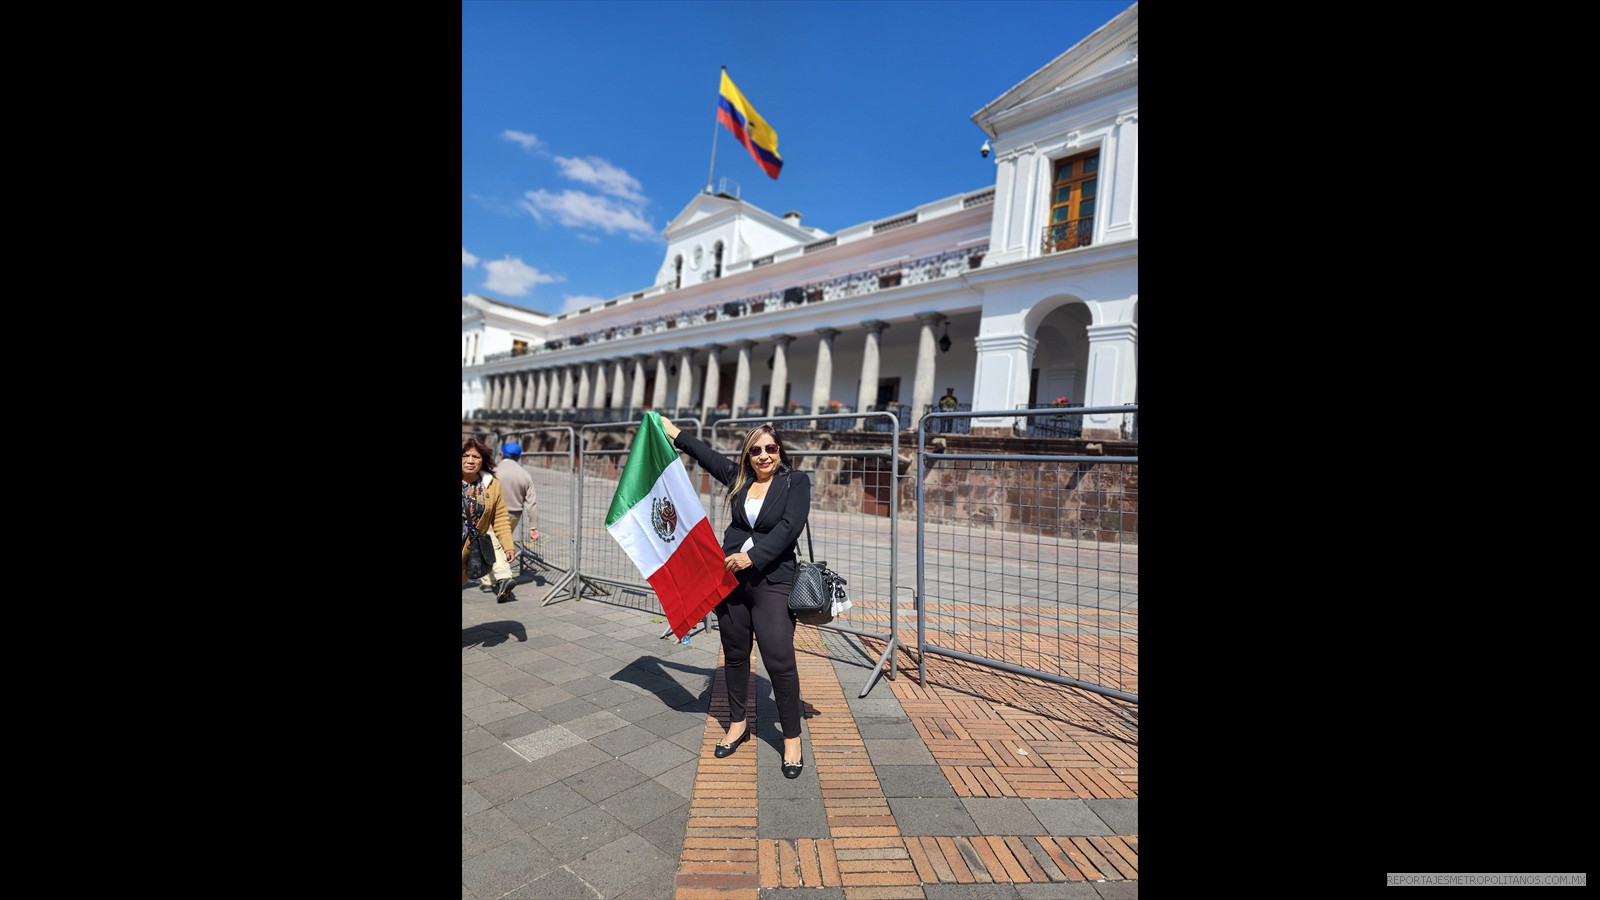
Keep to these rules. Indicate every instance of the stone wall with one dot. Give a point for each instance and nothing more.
(1084, 500)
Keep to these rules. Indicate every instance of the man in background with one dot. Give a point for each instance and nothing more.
(517, 486)
(948, 403)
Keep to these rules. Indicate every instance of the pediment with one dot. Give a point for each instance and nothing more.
(1112, 47)
(701, 209)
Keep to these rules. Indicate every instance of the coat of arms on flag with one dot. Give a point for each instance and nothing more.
(664, 516)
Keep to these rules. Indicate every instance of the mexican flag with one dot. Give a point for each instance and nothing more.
(657, 518)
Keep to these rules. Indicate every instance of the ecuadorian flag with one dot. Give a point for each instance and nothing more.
(734, 111)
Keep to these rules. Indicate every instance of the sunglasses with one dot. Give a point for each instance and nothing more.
(770, 450)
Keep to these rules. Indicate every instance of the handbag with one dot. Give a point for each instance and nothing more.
(817, 589)
(480, 555)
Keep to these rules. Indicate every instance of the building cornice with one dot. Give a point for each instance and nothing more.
(1109, 255)
(1057, 101)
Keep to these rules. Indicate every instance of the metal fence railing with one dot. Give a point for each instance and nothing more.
(1029, 562)
(1022, 560)
(601, 569)
(549, 456)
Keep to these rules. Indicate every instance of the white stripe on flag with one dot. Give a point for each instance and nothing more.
(637, 535)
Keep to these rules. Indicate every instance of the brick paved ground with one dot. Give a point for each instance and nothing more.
(587, 771)
(983, 747)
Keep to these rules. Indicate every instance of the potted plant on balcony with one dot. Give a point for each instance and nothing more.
(1060, 402)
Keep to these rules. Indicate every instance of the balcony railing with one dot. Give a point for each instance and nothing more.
(507, 354)
(949, 426)
(1062, 426)
(902, 412)
(917, 271)
(1067, 235)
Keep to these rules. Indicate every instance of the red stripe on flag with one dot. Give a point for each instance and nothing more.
(693, 579)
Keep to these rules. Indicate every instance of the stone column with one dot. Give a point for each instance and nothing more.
(658, 397)
(568, 388)
(600, 396)
(779, 397)
(741, 379)
(542, 401)
(822, 384)
(619, 386)
(1113, 377)
(636, 399)
(708, 401)
(516, 389)
(1004, 364)
(869, 369)
(529, 388)
(685, 377)
(584, 394)
(922, 388)
(494, 391)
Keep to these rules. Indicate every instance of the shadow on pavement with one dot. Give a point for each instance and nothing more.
(649, 672)
(490, 634)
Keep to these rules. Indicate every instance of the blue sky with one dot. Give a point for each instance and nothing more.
(587, 126)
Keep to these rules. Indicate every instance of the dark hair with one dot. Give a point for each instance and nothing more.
(472, 443)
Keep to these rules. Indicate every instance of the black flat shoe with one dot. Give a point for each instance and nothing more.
(724, 751)
(792, 770)
(503, 590)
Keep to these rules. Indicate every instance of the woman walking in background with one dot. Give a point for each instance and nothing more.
(483, 503)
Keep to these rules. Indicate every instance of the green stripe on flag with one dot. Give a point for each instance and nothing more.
(649, 456)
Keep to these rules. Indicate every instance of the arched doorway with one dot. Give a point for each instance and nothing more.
(1060, 356)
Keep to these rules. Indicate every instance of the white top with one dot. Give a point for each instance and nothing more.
(752, 509)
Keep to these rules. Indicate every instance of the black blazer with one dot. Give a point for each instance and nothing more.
(783, 512)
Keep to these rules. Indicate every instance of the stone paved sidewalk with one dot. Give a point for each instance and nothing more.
(587, 771)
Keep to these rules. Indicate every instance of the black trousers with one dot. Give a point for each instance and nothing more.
(761, 609)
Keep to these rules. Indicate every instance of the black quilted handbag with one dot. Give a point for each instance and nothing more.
(815, 588)
(480, 555)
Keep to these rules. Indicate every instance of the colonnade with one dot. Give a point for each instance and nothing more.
(585, 385)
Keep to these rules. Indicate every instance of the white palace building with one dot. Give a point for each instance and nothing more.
(1013, 295)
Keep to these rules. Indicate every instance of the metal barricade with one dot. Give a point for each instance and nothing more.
(601, 569)
(852, 491)
(1028, 562)
(554, 487)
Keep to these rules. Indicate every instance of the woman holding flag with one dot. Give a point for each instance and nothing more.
(769, 502)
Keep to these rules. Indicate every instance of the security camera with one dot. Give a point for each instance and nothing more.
(984, 150)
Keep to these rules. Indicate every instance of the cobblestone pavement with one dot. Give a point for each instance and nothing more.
(587, 770)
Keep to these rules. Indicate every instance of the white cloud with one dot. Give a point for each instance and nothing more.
(574, 302)
(576, 209)
(601, 174)
(467, 259)
(529, 142)
(514, 278)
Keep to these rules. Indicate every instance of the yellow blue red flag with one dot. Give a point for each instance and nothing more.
(734, 111)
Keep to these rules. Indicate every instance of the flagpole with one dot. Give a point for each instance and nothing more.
(716, 126)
